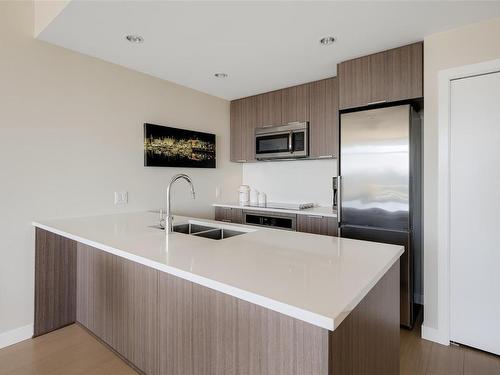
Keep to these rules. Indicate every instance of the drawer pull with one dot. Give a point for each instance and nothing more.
(325, 157)
(376, 102)
(241, 161)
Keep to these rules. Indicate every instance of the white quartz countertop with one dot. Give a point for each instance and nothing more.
(313, 211)
(317, 279)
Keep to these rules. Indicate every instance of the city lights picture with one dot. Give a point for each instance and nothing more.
(172, 147)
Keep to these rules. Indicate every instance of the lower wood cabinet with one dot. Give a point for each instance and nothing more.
(162, 324)
(117, 300)
(317, 224)
(94, 290)
(205, 332)
(229, 214)
(314, 224)
(135, 314)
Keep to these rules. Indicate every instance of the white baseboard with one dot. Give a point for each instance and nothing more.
(16, 335)
(433, 334)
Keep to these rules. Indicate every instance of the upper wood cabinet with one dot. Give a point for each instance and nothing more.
(323, 118)
(269, 108)
(405, 67)
(354, 83)
(388, 76)
(315, 102)
(236, 130)
(295, 104)
(242, 130)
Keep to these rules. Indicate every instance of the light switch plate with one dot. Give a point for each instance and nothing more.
(121, 197)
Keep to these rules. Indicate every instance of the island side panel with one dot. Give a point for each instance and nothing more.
(135, 313)
(94, 285)
(55, 282)
(117, 300)
(367, 341)
(203, 331)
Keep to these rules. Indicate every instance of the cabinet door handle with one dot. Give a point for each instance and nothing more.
(377, 102)
(325, 156)
(241, 161)
(315, 216)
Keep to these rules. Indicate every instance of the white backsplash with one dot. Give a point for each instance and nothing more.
(293, 181)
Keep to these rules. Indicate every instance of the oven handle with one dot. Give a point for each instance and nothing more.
(290, 140)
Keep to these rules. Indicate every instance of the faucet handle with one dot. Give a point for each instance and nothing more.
(162, 218)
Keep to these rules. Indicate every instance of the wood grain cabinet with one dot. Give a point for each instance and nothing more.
(388, 76)
(135, 313)
(205, 332)
(117, 301)
(55, 282)
(229, 214)
(94, 290)
(317, 224)
(163, 324)
(354, 83)
(269, 107)
(323, 118)
(405, 72)
(315, 102)
(242, 129)
(295, 104)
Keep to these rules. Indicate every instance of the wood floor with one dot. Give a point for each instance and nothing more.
(73, 351)
(422, 357)
(67, 351)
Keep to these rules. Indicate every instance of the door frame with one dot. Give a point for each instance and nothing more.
(441, 334)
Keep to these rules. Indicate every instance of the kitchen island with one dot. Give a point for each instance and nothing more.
(262, 302)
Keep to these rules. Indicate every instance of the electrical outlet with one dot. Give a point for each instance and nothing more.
(121, 197)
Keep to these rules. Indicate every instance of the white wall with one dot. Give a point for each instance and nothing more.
(293, 181)
(463, 46)
(71, 134)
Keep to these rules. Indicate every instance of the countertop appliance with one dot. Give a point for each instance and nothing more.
(289, 206)
(282, 142)
(379, 186)
(283, 206)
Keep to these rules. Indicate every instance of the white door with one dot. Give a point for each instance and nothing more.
(475, 212)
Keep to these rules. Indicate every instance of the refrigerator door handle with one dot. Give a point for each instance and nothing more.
(337, 199)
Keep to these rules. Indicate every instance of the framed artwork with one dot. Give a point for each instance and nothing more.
(173, 147)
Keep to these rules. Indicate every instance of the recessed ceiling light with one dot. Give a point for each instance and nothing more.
(327, 40)
(135, 39)
(220, 75)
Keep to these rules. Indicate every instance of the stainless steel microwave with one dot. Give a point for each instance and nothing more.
(282, 142)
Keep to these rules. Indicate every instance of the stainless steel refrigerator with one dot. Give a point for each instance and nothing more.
(380, 185)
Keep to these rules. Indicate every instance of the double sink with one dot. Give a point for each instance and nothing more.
(213, 233)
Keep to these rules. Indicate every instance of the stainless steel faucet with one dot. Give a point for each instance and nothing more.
(169, 218)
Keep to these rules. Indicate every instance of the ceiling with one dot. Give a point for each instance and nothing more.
(261, 45)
